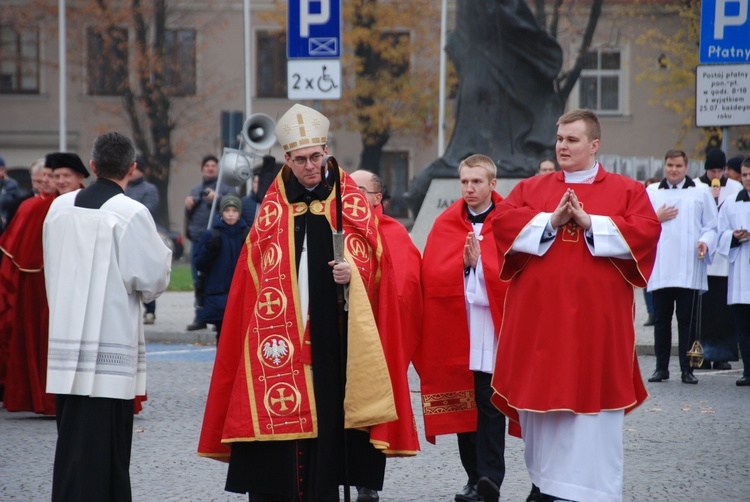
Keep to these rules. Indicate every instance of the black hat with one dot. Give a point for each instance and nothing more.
(735, 163)
(140, 163)
(715, 159)
(69, 160)
(207, 158)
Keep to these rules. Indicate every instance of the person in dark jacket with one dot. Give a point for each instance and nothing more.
(197, 213)
(218, 251)
(147, 194)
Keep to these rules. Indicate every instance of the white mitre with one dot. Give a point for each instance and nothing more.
(301, 127)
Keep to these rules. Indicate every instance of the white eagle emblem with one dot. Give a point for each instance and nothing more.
(276, 351)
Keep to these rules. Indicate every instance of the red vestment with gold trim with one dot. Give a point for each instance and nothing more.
(569, 313)
(261, 387)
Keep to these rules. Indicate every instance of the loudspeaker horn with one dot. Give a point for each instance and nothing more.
(257, 131)
(235, 167)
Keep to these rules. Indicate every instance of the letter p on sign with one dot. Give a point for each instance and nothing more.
(722, 20)
(307, 18)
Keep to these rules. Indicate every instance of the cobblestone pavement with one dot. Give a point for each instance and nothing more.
(687, 442)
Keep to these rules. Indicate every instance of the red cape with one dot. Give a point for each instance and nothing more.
(568, 313)
(235, 402)
(24, 316)
(407, 263)
(442, 359)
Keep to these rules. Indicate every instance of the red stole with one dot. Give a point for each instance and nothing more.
(442, 358)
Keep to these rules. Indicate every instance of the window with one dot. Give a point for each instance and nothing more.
(19, 61)
(394, 167)
(179, 63)
(271, 64)
(600, 82)
(107, 61)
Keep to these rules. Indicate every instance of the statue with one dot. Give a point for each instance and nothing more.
(506, 106)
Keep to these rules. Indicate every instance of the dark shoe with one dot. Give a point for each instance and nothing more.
(195, 326)
(744, 381)
(367, 495)
(688, 377)
(468, 494)
(535, 495)
(649, 321)
(723, 365)
(488, 490)
(659, 376)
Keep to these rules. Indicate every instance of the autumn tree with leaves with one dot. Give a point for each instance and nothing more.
(129, 42)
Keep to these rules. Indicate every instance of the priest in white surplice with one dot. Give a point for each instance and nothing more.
(103, 258)
(688, 216)
(734, 223)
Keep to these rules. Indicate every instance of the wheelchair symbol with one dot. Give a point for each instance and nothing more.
(325, 82)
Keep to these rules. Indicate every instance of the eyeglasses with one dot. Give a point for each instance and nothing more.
(315, 158)
(364, 190)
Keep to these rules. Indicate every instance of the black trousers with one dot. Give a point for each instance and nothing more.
(741, 312)
(483, 452)
(665, 300)
(92, 457)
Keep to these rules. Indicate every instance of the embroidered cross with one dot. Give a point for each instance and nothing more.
(269, 303)
(268, 214)
(355, 207)
(282, 399)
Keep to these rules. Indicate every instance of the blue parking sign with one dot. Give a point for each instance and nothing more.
(313, 29)
(725, 32)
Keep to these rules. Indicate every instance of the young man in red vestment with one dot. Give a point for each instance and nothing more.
(463, 301)
(277, 408)
(567, 370)
(24, 315)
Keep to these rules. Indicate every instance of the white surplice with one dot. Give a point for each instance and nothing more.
(100, 265)
(735, 215)
(677, 263)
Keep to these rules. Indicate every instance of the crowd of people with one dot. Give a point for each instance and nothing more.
(321, 302)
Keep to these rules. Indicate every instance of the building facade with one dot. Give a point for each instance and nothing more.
(205, 77)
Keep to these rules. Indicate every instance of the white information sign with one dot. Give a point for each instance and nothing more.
(722, 95)
(314, 79)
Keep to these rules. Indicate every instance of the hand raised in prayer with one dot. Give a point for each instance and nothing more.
(472, 251)
(561, 215)
(577, 213)
(570, 208)
(666, 213)
(341, 272)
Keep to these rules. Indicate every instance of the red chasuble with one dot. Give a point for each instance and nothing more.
(261, 387)
(442, 359)
(567, 341)
(407, 262)
(24, 316)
